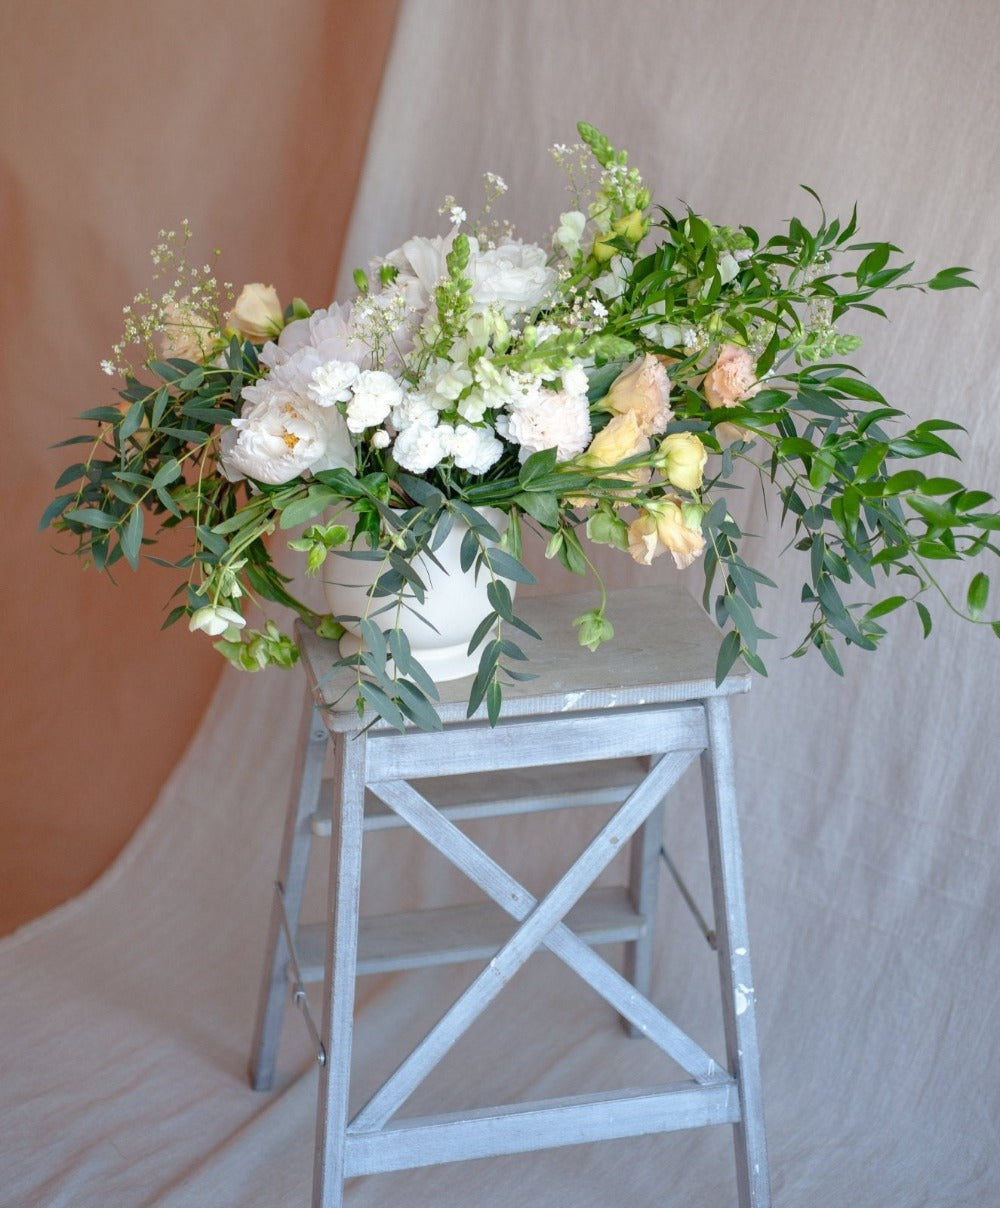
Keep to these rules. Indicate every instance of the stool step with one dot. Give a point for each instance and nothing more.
(518, 791)
(450, 934)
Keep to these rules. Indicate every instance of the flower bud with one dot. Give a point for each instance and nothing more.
(257, 314)
(681, 460)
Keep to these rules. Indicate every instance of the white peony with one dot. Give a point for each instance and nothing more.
(281, 435)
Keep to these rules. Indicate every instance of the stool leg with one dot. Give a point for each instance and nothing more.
(643, 882)
(738, 999)
(343, 916)
(293, 865)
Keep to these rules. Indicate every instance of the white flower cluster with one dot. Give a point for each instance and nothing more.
(378, 375)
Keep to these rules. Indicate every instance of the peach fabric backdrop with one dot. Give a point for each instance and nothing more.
(120, 119)
(868, 804)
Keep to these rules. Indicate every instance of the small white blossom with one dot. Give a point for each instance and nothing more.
(331, 383)
(456, 215)
(375, 395)
(215, 619)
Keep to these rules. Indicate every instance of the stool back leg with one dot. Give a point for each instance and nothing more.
(292, 868)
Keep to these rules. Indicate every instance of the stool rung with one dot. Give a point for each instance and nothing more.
(450, 934)
(523, 791)
(546, 1123)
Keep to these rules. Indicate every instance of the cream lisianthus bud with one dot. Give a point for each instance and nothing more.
(681, 459)
(257, 315)
(631, 226)
(643, 389)
(619, 439)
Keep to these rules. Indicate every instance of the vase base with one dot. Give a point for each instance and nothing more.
(442, 663)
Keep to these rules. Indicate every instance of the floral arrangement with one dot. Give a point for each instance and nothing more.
(603, 389)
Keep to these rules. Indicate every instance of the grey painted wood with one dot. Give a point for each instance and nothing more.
(293, 864)
(519, 791)
(338, 1001)
(739, 996)
(649, 696)
(520, 1128)
(516, 900)
(447, 935)
(664, 650)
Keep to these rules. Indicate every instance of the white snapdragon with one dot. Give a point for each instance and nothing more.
(451, 380)
(375, 394)
(569, 234)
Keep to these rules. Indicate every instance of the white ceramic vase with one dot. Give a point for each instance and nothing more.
(439, 629)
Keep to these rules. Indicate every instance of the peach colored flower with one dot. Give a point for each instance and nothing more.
(667, 525)
(644, 390)
(186, 333)
(621, 437)
(732, 380)
(257, 315)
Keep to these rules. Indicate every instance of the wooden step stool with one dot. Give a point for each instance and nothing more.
(621, 725)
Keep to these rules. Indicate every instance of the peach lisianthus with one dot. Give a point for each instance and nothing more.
(730, 381)
(669, 525)
(643, 389)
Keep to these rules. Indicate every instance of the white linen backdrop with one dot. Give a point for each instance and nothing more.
(868, 803)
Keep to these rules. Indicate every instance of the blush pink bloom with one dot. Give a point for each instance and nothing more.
(731, 380)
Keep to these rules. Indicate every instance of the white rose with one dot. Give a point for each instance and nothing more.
(513, 276)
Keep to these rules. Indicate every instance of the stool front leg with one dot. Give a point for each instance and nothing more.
(343, 917)
(738, 997)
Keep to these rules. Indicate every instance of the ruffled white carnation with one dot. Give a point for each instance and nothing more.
(549, 419)
(474, 449)
(375, 395)
(420, 447)
(332, 382)
(415, 407)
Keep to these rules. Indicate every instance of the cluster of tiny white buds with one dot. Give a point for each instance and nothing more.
(496, 184)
